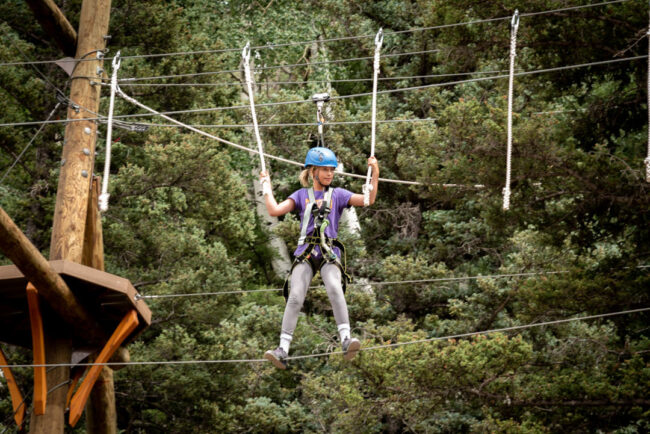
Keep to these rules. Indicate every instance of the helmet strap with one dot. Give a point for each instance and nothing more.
(314, 174)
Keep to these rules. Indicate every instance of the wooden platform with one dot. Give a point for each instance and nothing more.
(105, 296)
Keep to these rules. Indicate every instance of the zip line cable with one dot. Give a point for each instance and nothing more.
(285, 160)
(385, 283)
(294, 124)
(56, 107)
(341, 97)
(60, 95)
(345, 38)
(372, 348)
(403, 89)
(341, 80)
(265, 68)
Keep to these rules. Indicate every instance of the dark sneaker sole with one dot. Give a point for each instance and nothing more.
(352, 351)
(277, 362)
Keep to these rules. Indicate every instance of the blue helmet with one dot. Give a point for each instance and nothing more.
(322, 157)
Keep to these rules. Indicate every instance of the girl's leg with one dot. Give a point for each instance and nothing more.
(299, 283)
(331, 275)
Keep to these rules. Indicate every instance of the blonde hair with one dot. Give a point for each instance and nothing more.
(306, 176)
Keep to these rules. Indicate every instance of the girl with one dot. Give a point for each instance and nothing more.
(320, 209)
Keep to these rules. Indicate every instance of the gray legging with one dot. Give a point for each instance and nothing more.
(300, 279)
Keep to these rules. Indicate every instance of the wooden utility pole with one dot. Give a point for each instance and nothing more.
(72, 195)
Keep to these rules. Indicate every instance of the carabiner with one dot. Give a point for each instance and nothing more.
(246, 52)
(379, 37)
(117, 61)
(515, 20)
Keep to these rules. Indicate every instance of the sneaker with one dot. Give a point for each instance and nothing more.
(278, 357)
(351, 347)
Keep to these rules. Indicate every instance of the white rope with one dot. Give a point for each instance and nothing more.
(376, 347)
(647, 160)
(246, 55)
(367, 187)
(513, 47)
(103, 197)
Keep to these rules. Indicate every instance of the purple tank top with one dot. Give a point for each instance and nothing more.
(340, 199)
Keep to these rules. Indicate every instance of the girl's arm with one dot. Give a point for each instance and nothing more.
(357, 199)
(272, 206)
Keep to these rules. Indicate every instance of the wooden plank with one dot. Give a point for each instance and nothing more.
(90, 288)
(127, 325)
(38, 350)
(51, 286)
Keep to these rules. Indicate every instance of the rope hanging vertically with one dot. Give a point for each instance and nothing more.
(367, 188)
(103, 197)
(514, 25)
(246, 55)
(647, 159)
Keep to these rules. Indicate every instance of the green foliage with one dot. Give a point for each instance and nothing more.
(182, 217)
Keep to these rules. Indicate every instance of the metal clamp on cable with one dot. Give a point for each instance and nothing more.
(320, 99)
(379, 40)
(515, 20)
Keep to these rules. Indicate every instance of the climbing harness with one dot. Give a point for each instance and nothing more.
(319, 239)
(103, 197)
(367, 188)
(514, 25)
(246, 55)
(320, 99)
